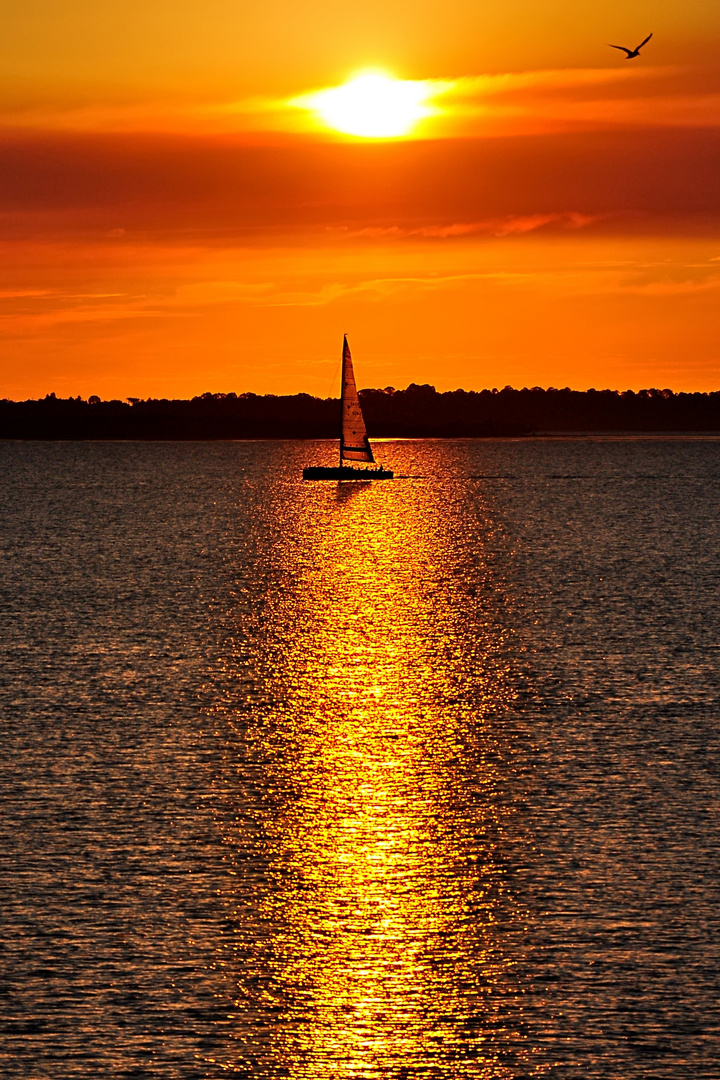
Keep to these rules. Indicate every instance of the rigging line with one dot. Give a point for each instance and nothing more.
(337, 368)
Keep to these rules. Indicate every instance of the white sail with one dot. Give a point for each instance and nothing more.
(354, 445)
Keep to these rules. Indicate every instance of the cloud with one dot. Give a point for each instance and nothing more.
(506, 226)
(581, 99)
(18, 294)
(130, 189)
(509, 103)
(568, 220)
(666, 286)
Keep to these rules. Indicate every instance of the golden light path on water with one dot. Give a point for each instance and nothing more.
(369, 882)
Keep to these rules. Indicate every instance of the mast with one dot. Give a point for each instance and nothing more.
(346, 352)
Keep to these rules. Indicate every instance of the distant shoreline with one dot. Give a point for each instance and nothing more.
(557, 436)
(417, 412)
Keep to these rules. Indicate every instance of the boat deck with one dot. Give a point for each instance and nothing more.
(345, 472)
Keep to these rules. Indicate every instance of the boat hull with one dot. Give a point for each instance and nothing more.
(345, 472)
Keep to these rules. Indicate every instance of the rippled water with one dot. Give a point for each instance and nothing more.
(407, 779)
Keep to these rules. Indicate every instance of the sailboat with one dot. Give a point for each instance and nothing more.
(354, 442)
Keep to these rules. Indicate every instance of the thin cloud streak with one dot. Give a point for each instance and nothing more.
(498, 228)
(468, 104)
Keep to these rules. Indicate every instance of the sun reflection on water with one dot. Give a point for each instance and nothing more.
(369, 939)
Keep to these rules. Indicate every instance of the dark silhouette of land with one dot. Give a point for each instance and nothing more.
(418, 411)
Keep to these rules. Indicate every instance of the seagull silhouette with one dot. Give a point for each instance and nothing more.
(632, 53)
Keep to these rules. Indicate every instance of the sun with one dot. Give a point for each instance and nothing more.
(371, 106)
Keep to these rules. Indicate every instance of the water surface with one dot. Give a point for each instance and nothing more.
(406, 779)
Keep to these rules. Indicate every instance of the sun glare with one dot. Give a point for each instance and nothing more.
(371, 106)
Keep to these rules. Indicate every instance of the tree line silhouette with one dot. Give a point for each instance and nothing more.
(418, 411)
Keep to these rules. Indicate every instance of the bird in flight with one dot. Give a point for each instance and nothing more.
(632, 53)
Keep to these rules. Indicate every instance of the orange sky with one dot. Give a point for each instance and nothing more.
(171, 224)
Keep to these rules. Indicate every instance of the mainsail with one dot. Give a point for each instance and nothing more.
(354, 445)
